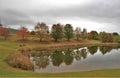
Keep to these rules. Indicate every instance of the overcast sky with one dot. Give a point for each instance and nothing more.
(100, 15)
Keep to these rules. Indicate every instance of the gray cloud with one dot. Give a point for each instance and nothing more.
(101, 11)
(13, 17)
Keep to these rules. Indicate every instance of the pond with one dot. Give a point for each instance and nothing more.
(75, 60)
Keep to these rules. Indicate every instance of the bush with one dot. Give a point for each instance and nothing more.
(20, 59)
(118, 41)
(25, 50)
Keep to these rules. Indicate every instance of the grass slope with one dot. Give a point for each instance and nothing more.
(10, 46)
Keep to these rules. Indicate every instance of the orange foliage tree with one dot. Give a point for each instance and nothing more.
(4, 32)
(23, 33)
(1, 29)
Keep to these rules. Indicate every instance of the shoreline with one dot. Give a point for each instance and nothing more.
(73, 45)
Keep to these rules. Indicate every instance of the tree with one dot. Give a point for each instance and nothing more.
(57, 31)
(41, 30)
(115, 33)
(78, 32)
(106, 37)
(84, 33)
(32, 32)
(23, 32)
(116, 37)
(93, 35)
(1, 30)
(5, 32)
(103, 36)
(68, 31)
(109, 37)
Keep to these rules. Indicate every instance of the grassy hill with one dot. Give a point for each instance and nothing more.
(12, 30)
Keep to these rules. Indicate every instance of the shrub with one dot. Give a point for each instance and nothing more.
(25, 50)
(20, 59)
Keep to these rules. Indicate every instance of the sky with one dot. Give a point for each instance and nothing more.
(99, 15)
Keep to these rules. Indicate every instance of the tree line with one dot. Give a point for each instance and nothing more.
(59, 31)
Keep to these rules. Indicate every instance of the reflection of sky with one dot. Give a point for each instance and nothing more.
(92, 62)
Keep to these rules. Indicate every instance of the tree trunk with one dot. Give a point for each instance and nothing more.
(68, 39)
(56, 40)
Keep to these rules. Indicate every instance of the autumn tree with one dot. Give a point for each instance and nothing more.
(109, 37)
(5, 32)
(68, 31)
(23, 32)
(41, 30)
(57, 31)
(1, 29)
(106, 37)
(84, 33)
(78, 32)
(93, 35)
(103, 36)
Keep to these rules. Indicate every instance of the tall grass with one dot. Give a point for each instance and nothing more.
(20, 59)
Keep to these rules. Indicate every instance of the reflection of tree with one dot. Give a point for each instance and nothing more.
(92, 49)
(84, 53)
(42, 61)
(57, 58)
(68, 59)
(78, 55)
(40, 53)
(105, 49)
(115, 47)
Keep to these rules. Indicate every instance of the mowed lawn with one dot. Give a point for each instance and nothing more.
(10, 46)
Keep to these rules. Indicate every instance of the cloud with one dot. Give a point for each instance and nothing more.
(13, 17)
(103, 12)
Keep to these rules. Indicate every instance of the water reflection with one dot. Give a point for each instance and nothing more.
(44, 59)
(57, 58)
(92, 49)
(105, 49)
(68, 57)
(41, 59)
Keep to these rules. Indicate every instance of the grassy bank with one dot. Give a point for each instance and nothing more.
(10, 46)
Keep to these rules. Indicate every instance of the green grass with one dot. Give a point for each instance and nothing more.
(10, 46)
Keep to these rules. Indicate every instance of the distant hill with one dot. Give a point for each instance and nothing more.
(12, 30)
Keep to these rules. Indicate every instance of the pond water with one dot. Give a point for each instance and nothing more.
(74, 60)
